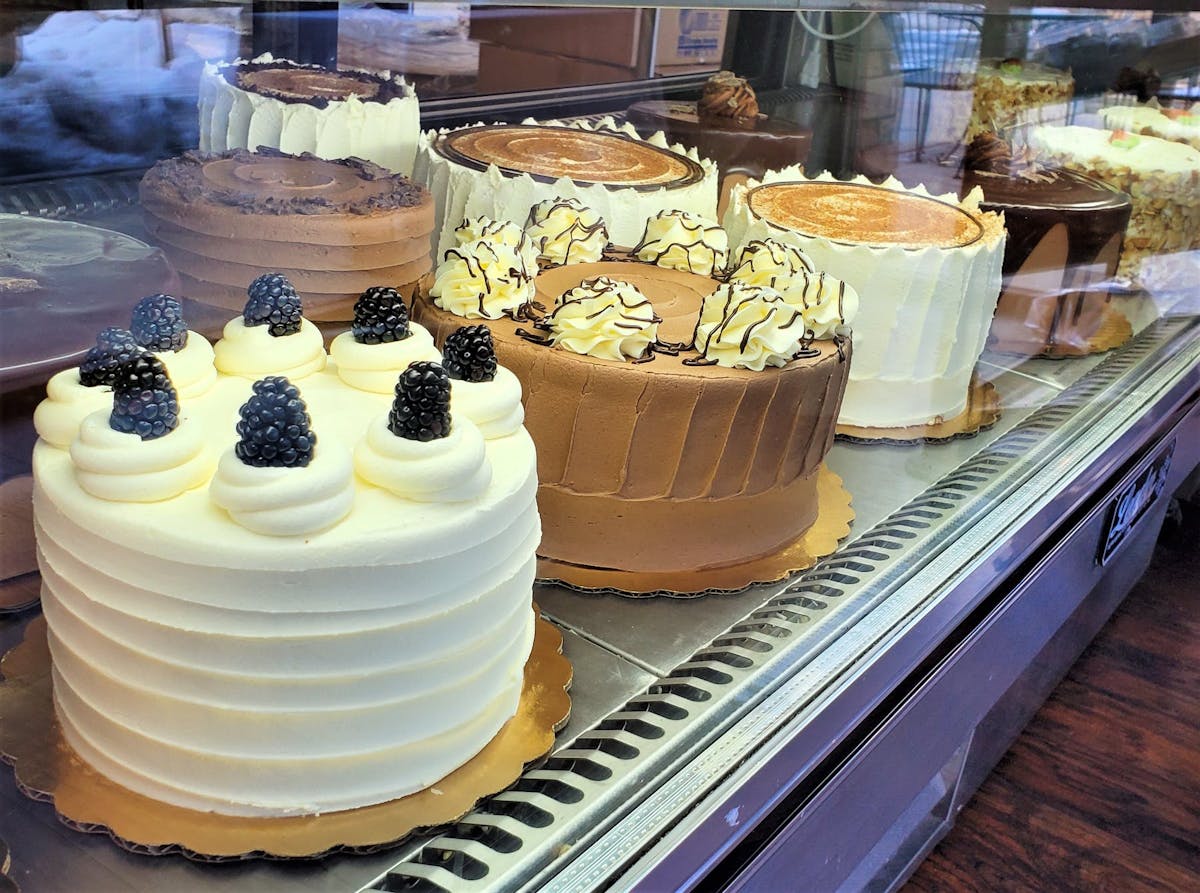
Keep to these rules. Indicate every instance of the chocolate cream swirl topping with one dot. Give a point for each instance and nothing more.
(727, 96)
(989, 155)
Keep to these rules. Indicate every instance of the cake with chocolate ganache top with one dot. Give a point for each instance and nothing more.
(1162, 179)
(681, 412)
(1065, 231)
(725, 124)
(330, 113)
(928, 269)
(274, 586)
(500, 171)
(333, 227)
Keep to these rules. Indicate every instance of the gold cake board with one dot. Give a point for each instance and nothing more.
(834, 515)
(982, 411)
(48, 769)
(1113, 331)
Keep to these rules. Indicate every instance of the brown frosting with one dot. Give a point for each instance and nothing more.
(311, 84)
(863, 214)
(584, 156)
(727, 96)
(665, 465)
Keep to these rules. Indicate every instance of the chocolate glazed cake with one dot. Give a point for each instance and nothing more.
(668, 464)
(334, 228)
(1065, 232)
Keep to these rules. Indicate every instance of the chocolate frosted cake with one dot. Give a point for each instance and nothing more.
(726, 126)
(335, 228)
(332, 113)
(1065, 231)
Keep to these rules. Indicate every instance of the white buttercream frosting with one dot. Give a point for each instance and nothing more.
(678, 240)
(453, 468)
(501, 232)
(191, 369)
(604, 318)
(769, 261)
(565, 231)
(1144, 155)
(286, 501)
(482, 280)
(494, 406)
(252, 351)
(121, 467)
(376, 367)
(748, 327)
(68, 402)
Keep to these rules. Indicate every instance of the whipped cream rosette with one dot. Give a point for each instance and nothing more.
(192, 366)
(926, 269)
(271, 335)
(565, 231)
(500, 171)
(748, 327)
(332, 113)
(68, 402)
(604, 318)
(766, 261)
(678, 240)
(482, 390)
(381, 343)
(482, 280)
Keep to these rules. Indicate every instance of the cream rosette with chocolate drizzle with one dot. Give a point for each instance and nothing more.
(678, 240)
(604, 318)
(500, 232)
(566, 231)
(482, 280)
(767, 261)
(748, 327)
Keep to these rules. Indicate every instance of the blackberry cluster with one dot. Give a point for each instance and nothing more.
(421, 410)
(380, 316)
(274, 303)
(275, 429)
(469, 354)
(158, 323)
(114, 347)
(144, 400)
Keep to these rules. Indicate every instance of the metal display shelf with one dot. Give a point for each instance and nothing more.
(692, 718)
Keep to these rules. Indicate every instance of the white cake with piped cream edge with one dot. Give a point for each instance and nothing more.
(500, 172)
(330, 113)
(277, 640)
(927, 270)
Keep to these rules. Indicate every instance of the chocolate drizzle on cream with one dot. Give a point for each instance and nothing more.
(585, 242)
(704, 255)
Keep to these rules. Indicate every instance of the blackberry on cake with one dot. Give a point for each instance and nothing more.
(380, 316)
(158, 323)
(273, 303)
(421, 410)
(469, 354)
(114, 347)
(275, 430)
(144, 401)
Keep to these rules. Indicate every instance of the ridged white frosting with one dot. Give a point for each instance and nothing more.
(121, 467)
(252, 351)
(494, 406)
(68, 402)
(216, 668)
(461, 192)
(924, 313)
(565, 231)
(748, 327)
(482, 280)
(678, 240)
(191, 369)
(604, 318)
(376, 367)
(233, 118)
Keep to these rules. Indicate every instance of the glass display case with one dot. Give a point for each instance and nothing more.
(886, 429)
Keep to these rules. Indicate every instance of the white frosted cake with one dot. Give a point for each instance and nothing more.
(927, 270)
(263, 607)
(1162, 179)
(1176, 125)
(333, 114)
(500, 171)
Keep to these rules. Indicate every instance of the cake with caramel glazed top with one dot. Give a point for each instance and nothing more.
(500, 171)
(681, 411)
(334, 228)
(928, 269)
(278, 582)
(1065, 232)
(328, 112)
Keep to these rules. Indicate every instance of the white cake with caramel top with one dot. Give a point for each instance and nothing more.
(279, 581)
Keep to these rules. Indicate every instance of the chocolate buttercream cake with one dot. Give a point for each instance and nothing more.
(1065, 231)
(334, 228)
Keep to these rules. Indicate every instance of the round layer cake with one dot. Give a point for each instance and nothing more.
(1016, 92)
(334, 228)
(330, 113)
(1065, 232)
(928, 271)
(246, 638)
(665, 465)
(500, 171)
